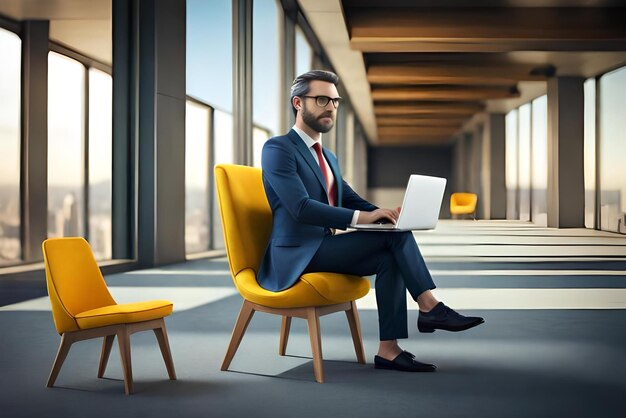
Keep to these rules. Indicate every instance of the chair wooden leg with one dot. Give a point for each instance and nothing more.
(245, 315)
(313, 322)
(123, 339)
(64, 348)
(107, 343)
(355, 330)
(284, 335)
(161, 336)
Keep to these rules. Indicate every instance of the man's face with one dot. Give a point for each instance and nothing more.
(320, 119)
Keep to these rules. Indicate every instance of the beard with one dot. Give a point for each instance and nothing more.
(314, 122)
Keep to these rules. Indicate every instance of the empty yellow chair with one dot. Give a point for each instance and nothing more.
(83, 308)
(247, 222)
(463, 204)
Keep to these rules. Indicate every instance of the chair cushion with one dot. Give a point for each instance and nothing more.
(125, 313)
(313, 289)
(462, 210)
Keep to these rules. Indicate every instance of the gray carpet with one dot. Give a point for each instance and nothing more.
(520, 363)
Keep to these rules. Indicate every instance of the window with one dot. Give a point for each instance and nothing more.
(523, 168)
(612, 151)
(100, 163)
(209, 80)
(590, 153)
(511, 157)
(266, 103)
(259, 136)
(10, 86)
(304, 53)
(197, 134)
(224, 154)
(66, 130)
(539, 173)
(80, 160)
(209, 52)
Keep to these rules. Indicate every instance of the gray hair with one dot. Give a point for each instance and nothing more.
(300, 86)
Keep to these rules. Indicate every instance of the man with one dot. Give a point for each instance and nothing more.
(309, 200)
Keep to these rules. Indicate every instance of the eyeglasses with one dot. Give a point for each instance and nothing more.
(322, 101)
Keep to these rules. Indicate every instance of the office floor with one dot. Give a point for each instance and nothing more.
(553, 343)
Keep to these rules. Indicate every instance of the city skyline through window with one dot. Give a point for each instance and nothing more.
(10, 139)
(66, 130)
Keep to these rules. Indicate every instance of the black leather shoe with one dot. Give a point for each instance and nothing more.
(404, 362)
(443, 317)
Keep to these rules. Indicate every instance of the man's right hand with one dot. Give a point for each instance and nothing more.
(388, 215)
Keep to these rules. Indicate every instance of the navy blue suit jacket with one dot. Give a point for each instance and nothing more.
(296, 192)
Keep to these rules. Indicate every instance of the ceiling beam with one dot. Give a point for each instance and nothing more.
(429, 109)
(445, 73)
(471, 93)
(413, 141)
(412, 121)
(416, 131)
(483, 29)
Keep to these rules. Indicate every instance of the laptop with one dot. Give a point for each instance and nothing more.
(420, 207)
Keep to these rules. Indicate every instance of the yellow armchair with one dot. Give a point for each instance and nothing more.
(83, 308)
(463, 204)
(247, 222)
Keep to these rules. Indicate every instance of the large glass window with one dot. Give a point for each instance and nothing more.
(209, 80)
(209, 52)
(523, 170)
(511, 157)
(70, 154)
(10, 104)
(539, 173)
(100, 163)
(224, 154)
(66, 105)
(266, 105)
(304, 53)
(259, 136)
(590, 153)
(197, 134)
(612, 151)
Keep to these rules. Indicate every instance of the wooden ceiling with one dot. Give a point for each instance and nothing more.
(432, 65)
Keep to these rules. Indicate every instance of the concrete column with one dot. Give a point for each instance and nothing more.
(34, 170)
(161, 118)
(288, 69)
(566, 182)
(125, 64)
(242, 81)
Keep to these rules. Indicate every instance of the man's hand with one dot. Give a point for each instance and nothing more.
(385, 215)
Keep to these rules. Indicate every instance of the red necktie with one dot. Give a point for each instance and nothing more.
(325, 172)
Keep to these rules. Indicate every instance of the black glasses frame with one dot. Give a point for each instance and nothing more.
(322, 101)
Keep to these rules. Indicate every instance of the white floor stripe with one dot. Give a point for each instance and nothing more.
(520, 258)
(184, 298)
(522, 250)
(529, 273)
(459, 298)
(465, 298)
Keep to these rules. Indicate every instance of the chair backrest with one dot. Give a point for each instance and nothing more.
(75, 283)
(246, 215)
(464, 199)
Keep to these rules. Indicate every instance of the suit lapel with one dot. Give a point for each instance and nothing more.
(308, 157)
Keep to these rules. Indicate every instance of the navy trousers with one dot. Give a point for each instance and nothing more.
(397, 263)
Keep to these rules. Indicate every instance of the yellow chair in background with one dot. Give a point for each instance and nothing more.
(247, 222)
(83, 308)
(463, 204)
